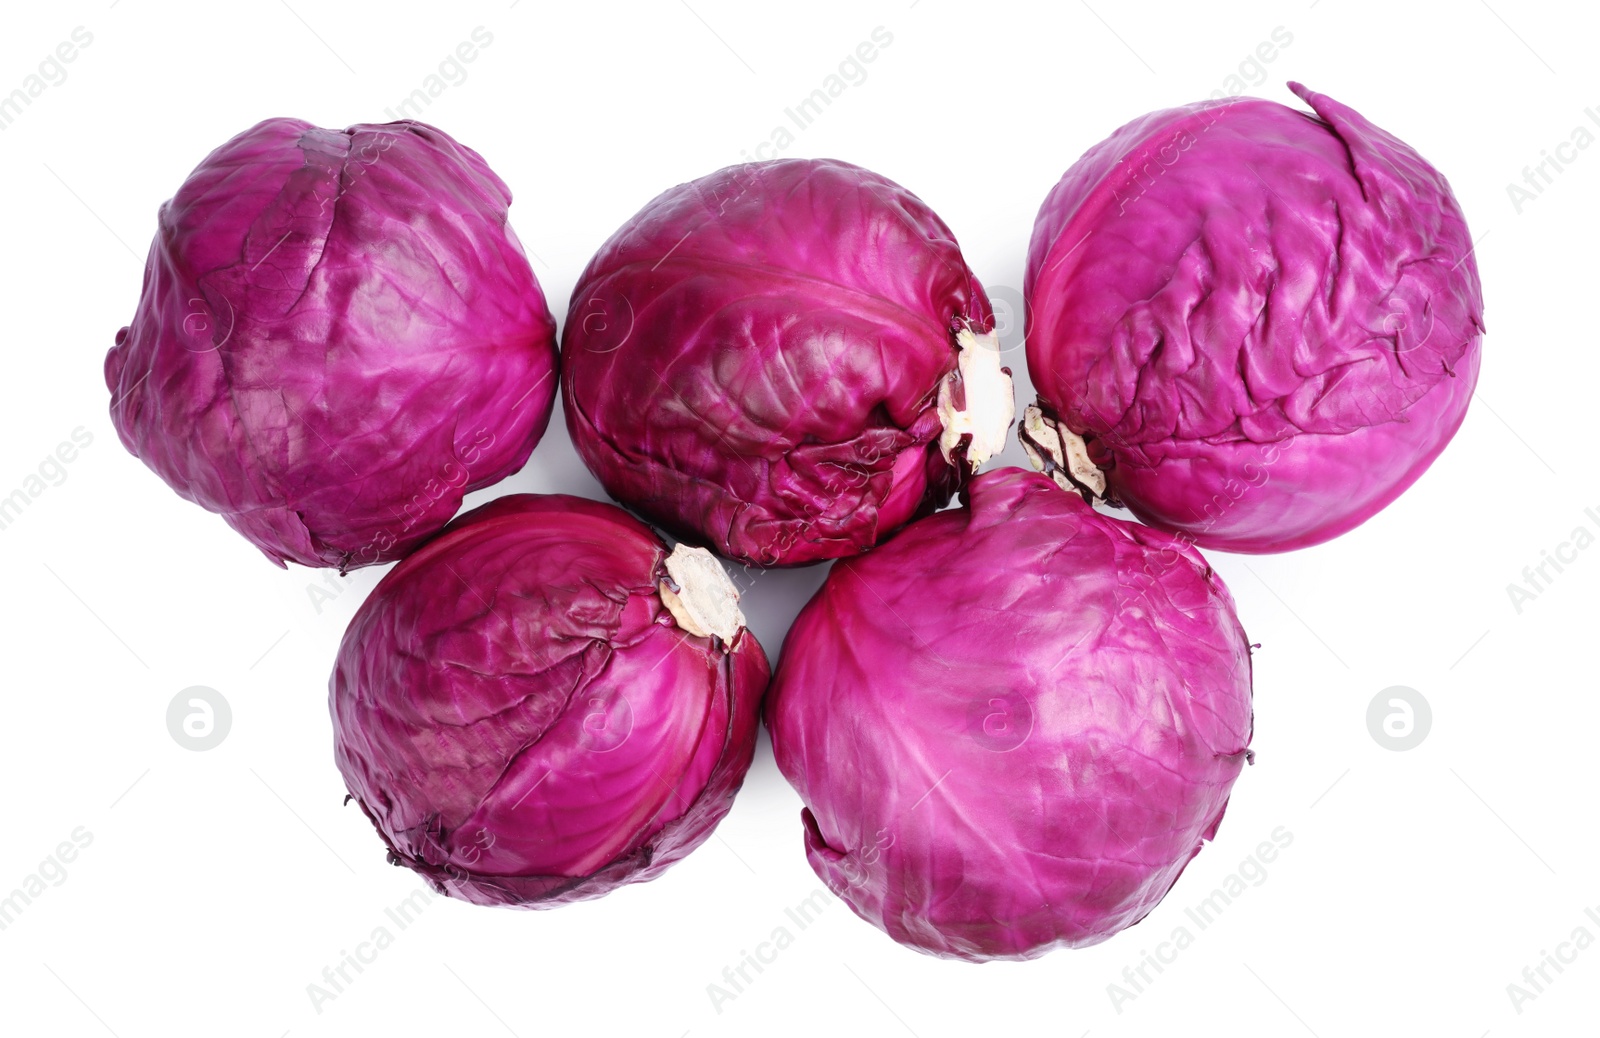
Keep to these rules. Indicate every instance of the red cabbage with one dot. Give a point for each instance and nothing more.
(1014, 724)
(784, 360)
(543, 703)
(1263, 324)
(339, 337)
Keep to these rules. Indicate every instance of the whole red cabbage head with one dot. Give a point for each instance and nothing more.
(544, 703)
(1252, 325)
(339, 337)
(784, 360)
(1013, 724)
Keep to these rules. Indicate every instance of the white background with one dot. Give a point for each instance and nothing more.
(219, 884)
